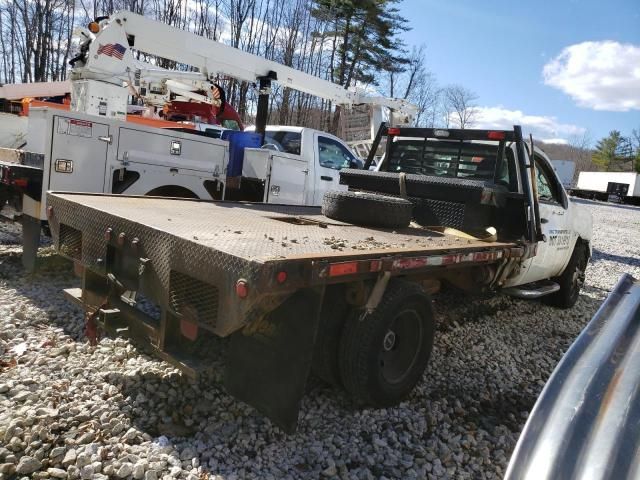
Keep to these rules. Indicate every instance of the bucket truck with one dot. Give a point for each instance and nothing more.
(107, 60)
(91, 149)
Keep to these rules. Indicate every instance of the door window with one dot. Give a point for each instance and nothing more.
(547, 188)
(332, 154)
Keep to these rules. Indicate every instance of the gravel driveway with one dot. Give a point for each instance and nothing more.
(68, 410)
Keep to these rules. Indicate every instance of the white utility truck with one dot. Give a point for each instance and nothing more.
(279, 290)
(99, 155)
(622, 187)
(296, 166)
(92, 149)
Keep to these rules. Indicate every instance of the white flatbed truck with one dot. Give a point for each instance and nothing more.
(342, 290)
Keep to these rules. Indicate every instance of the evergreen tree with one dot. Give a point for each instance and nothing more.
(611, 151)
(365, 40)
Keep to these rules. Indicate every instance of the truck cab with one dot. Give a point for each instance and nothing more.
(295, 166)
(470, 180)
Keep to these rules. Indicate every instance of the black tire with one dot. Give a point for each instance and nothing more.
(332, 319)
(420, 186)
(383, 356)
(360, 208)
(571, 279)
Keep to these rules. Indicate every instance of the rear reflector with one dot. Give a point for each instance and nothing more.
(339, 269)
(393, 131)
(189, 329)
(242, 289)
(495, 135)
(281, 277)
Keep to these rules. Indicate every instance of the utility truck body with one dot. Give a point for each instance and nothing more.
(71, 151)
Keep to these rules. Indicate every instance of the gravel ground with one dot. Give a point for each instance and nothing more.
(68, 410)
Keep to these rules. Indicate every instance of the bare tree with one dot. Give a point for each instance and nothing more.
(309, 35)
(417, 85)
(460, 105)
(581, 154)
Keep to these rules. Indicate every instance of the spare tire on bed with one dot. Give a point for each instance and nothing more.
(373, 210)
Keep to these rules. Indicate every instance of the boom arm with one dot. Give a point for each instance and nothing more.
(125, 30)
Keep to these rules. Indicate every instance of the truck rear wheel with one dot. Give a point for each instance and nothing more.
(383, 355)
(571, 279)
(332, 319)
(360, 208)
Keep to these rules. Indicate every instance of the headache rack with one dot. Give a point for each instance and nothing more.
(471, 155)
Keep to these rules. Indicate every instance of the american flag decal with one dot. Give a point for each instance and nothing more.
(112, 50)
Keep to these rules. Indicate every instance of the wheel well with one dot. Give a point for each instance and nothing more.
(587, 245)
(171, 191)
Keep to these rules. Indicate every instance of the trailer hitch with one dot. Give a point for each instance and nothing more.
(90, 320)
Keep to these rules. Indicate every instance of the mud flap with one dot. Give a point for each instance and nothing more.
(269, 361)
(30, 242)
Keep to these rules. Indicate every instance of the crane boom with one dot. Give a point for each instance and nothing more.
(108, 58)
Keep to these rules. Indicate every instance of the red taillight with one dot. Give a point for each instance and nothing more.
(189, 329)
(281, 277)
(393, 131)
(495, 135)
(242, 289)
(20, 182)
(346, 268)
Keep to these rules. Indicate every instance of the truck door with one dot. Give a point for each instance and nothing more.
(331, 157)
(78, 155)
(556, 249)
(288, 179)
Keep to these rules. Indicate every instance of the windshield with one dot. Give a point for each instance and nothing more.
(458, 159)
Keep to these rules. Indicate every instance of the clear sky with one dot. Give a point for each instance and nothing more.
(558, 67)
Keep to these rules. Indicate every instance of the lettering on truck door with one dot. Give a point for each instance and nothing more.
(78, 155)
(332, 156)
(554, 218)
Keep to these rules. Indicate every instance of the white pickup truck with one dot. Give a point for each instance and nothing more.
(296, 166)
(71, 151)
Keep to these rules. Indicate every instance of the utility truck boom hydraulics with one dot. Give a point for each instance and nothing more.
(125, 33)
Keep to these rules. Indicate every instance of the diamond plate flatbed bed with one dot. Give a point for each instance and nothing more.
(253, 272)
(257, 233)
(220, 243)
